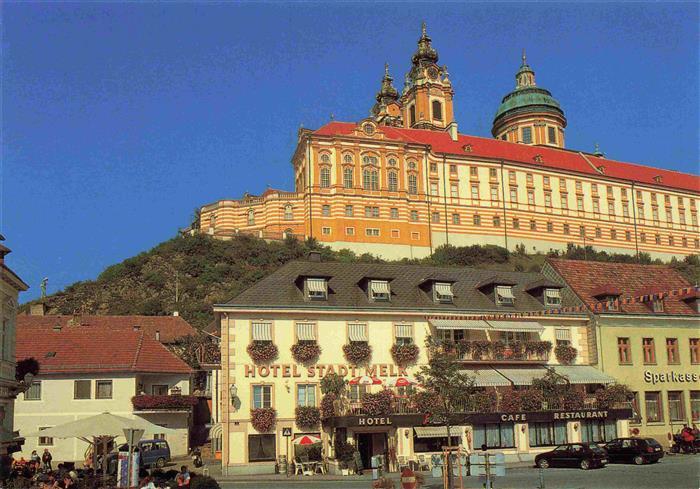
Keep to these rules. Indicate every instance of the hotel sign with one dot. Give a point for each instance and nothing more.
(320, 370)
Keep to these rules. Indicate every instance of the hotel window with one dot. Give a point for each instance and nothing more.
(262, 396)
(306, 395)
(455, 218)
(379, 291)
(562, 336)
(103, 389)
(454, 190)
(45, 441)
(624, 352)
(306, 332)
(81, 389)
(566, 228)
(412, 184)
(496, 221)
(349, 211)
(552, 298)
(350, 231)
(598, 233)
(636, 413)
(433, 167)
(493, 173)
(433, 188)
(325, 177)
(442, 292)
(435, 217)
(550, 226)
(531, 197)
(529, 179)
(672, 351)
(414, 215)
(494, 435)
(251, 217)
(473, 172)
(547, 199)
(511, 177)
(597, 431)
(475, 192)
(288, 214)
(527, 135)
(261, 448)
(326, 210)
(579, 203)
(504, 295)
(675, 406)
(695, 405)
(403, 334)
(394, 213)
(516, 223)
(513, 195)
(453, 169)
(317, 289)
(649, 350)
(494, 193)
(393, 181)
(372, 232)
(476, 220)
(533, 225)
(551, 135)
(371, 211)
(34, 392)
(694, 351)
(547, 434)
(653, 407)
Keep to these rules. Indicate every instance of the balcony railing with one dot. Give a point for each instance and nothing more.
(496, 351)
(177, 402)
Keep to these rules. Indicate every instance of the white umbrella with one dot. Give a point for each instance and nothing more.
(105, 424)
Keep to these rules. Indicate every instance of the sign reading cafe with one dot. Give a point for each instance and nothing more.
(321, 370)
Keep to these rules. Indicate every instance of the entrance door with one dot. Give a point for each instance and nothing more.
(364, 446)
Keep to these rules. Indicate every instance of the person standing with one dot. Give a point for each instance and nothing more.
(46, 457)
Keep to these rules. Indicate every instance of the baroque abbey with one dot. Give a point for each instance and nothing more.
(404, 181)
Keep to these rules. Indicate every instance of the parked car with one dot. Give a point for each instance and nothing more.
(154, 453)
(637, 450)
(582, 455)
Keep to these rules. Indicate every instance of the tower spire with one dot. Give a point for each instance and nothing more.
(524, 57)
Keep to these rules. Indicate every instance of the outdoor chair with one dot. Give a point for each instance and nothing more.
(298, 467)
(402, 462)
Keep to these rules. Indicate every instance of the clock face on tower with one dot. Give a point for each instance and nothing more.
(432, 73)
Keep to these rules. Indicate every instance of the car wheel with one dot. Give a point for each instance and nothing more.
(638, 460)
(585, 464)
(160, 463)
(543, 463)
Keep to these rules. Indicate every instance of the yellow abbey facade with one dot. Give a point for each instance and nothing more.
(404, 181)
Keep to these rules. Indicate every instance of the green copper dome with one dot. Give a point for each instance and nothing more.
(528, 99)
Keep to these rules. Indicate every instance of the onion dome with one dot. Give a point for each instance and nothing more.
(425, 54)
(387, 92)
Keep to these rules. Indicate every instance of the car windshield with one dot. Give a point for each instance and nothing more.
(652, 442)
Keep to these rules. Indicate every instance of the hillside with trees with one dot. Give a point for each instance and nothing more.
(190, 273)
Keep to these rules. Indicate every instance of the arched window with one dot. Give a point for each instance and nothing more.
(348, 177)
(325, 177)
(393, 181)
(251, 217)
(370, 180)
(412, 114)
(325, 158)
(437, 110)
(347, 159)
(288, 214)
(412, 184)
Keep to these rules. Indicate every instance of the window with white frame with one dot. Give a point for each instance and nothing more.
(262, 396)
(325, 177)
(412, 184)
(403, 334)
(504, 295)
(316, 288)
(379, 290)
(306, 395)
(347, 177)
(261, 330)
(34, 392)
(393, 181)
(552, 297)
(442, 292)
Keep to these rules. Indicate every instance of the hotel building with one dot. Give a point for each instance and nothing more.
(356, 318)
(404, 181)
(651, 345)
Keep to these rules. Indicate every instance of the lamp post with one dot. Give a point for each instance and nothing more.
(233, 391)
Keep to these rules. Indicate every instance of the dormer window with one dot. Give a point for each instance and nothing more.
(379, 290)
(442, 292)
(316, 289)
(552, 297)
(504, 295)
(657, 305)
(610, 302)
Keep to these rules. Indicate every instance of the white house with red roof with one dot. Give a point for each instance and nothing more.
(86, 371)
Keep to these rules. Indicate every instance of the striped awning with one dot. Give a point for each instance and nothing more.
(582, 374)
(505, 291)
(486, 377)
(552, 293)
(379, 287)
(517, 326)
(262, 331)
(437, 431)
(357, 331)
(306, 332)
(562, 334)
(404, 331)
(460, 324)
(522, 376)
(316, 284)
(444, 289)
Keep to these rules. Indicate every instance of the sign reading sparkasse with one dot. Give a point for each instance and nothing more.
(685, 377)
(320, 370)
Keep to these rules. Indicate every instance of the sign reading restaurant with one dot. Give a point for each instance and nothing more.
(293, 370)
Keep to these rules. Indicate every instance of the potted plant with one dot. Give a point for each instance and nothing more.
(357, 352)
(404, 355)
(262, 351)
(306, 352)
(307, 416)
(378, 404)
(531, 399)
(464, 348)
(613, 394)
(327, 410)
(566, 354)
(498, 348)
(517, 349)
(263, 419)
(333, 384)
(480, 348)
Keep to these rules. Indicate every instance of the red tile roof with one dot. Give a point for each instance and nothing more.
(630, 279)
(73, 351)
(551, 157)
(170, 327)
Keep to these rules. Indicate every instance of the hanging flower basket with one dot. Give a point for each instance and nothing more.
(306, 352)
(378, 404)
(566, 354)
(357, 352)
(263, 419)
(307, 417)
(262, 351)
(404, 354)
(328, 410)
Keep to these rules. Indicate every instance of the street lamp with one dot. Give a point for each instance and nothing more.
(233, 391)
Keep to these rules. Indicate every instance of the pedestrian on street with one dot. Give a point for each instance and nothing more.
(46, 457)
(183, 477)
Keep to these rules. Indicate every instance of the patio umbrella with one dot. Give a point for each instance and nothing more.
(365, 380)
(401, 382)
(105, 424)
(306, 440)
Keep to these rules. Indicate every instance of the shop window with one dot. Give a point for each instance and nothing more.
(694, 350)
(672, 350)
(676, 412)
(624, 352)
(597, 431)
(261, 448)
(494, 435)
(547, 434)
(306, 395)
(262, 396)
(434, 444)
(695, 405)
(81, 389)
(648, 350)
(653, 407)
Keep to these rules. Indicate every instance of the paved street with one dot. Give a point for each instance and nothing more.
(680, 472)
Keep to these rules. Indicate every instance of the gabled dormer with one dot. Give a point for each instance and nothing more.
(378, 289)
(314, 288)
(439, 289)
(499, 289)
(609, 295)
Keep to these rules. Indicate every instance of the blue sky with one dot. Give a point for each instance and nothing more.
(119, 119)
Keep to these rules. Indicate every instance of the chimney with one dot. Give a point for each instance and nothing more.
(176, 313)
(37, 309)
(452, 129)
(157, 335)
(314, 256)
